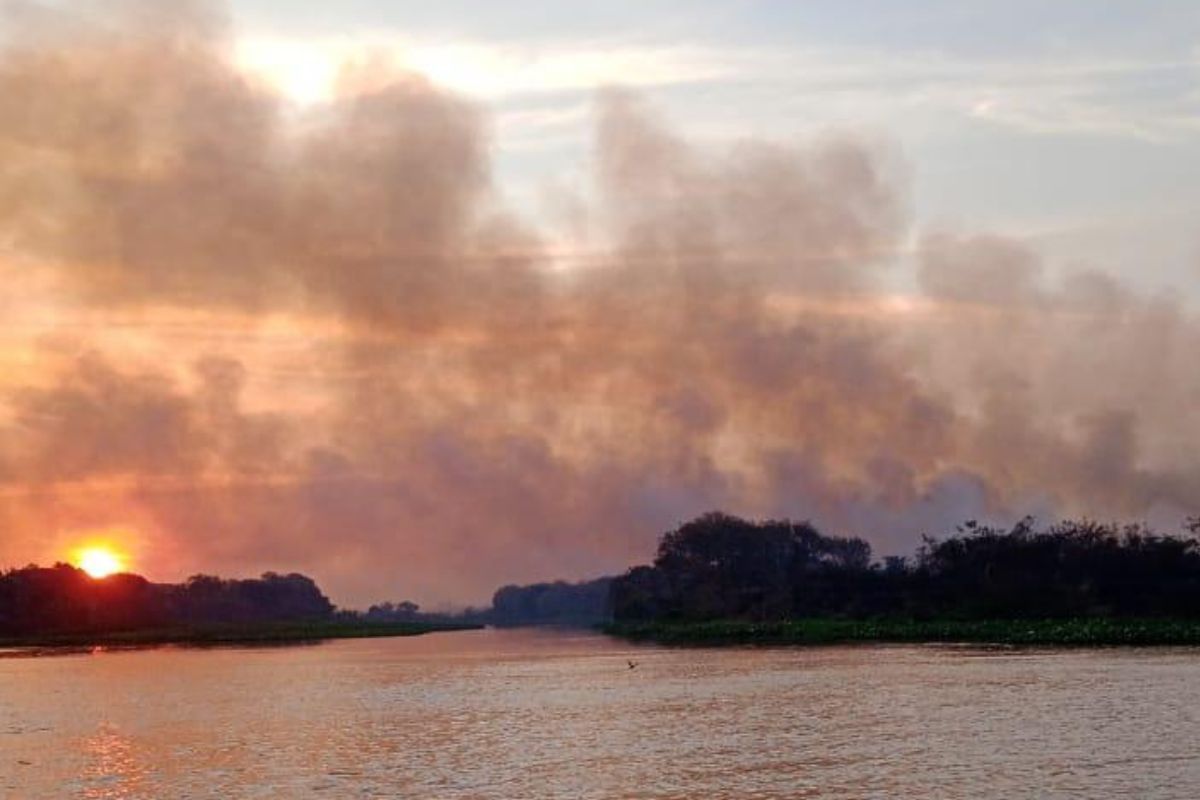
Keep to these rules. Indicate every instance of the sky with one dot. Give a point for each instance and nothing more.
(423, 299)
(1066, 123)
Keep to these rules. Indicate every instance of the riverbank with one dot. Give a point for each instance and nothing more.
(203, 635)
(1066, 632)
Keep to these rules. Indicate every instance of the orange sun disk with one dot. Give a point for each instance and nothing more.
(99, 561)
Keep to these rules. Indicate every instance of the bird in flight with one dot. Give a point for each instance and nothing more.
(632, 664)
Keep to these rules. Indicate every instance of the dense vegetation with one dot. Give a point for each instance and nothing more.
(716, 578)
(64, 600)
(556, 603)
(720, 567)
(830, 630)
(63, 606)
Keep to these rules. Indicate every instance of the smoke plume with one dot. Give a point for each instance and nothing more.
(256, 337)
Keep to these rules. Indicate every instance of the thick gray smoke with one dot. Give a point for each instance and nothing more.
(257, 338)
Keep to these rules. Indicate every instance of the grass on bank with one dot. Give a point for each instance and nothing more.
(232, 634)
(1060, 632)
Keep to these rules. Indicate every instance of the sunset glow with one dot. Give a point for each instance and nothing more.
(99, 561)
(430, 299)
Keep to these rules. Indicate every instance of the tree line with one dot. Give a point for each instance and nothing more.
(722, 567)
(549, 603)
(716, 566)
(557, 603)
(65, 600)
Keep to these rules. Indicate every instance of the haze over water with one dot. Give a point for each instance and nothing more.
(504, 714)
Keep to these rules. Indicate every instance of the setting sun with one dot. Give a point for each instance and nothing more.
(99, 561)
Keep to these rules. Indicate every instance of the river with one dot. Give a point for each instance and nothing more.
(548, 714)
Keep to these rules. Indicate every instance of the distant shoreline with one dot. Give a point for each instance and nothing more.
(236, 634)
(1057, 632)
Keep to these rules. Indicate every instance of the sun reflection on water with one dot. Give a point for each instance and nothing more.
(114, 771)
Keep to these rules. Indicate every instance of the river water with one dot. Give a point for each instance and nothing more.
(544, 714)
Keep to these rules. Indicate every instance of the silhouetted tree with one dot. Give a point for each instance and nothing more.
(721, 566)
(1074, 568)
(63, 599)
(718, 566)
(403, 611)
(558, 603)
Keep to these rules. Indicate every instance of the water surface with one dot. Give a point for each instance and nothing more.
(532, 714)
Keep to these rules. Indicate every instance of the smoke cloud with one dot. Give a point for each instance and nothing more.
(260, 337)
